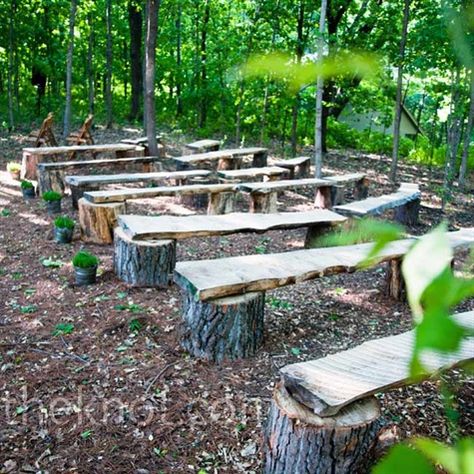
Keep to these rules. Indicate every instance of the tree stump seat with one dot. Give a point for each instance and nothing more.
(298, 167)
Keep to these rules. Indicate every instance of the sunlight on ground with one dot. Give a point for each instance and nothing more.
(34, 219)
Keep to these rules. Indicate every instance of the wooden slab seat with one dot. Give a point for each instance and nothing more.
(136, 232)
(298, 167)
(202, 146)
(45, 135)
(405, 201)
(268, 173)
(51, 175)
(210, 286)
(226, 159)
(143, 141)
(326, 406)
(80, 184)
(32, 156)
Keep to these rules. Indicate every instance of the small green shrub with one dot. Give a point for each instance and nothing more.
(84, 259)
(13, 167)
(26, 184)
(64, 222)
(50, 196)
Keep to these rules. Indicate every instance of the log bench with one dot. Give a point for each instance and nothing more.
(225, 159)
(324, 416)
(405, 201)
(268, 173)
(145, 245)
(230, 291)
(298, 167)
(80, 184)
(32, 156)
(51, 175)
(203, 146)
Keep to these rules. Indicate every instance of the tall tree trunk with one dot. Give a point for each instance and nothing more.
(203, 81)
(399, 98)
(238, 130)
(108, 65)
(90, 64)
(467, 137)
(153, 7)
(318, 129)
(179, 102)
(135, 21)
(70, 51)
(11, 46)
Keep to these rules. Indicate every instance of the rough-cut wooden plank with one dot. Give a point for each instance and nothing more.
(328, 384)
(113, 162)
(216, 155)
(298, 167)
(236, 275)
(204, 145)
(286, 184)
(252, 172)
(121, 195)
(376, 205)
(182, 227)
(345, 178)
(132, 177)
(54, 150)
(140, 140)
(298, 161)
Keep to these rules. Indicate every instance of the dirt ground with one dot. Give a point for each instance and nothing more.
(93, 379)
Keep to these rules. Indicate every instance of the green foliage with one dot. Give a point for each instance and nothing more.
(5, 212)
(26, 184)
(134, 325)
(84, 259)
(50, 262)
(64, 222)
(63, 329)
(50, 196)
(13, 167)
(402, 458)
(28, 309)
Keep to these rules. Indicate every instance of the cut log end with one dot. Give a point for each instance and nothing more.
(265, 203)
(297, 440)
(221, 203)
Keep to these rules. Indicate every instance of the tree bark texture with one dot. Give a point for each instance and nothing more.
(135, 21)
(143, 263)
(70, 52)
(265, 203)
(90, 64)
(203, 66)
(50, 181)
(298, 441)
(108, 66)
(225, 328)
(394, 282)
(315, 233)
(11, 47)
(221, 203)
(408, 213)
(467, 135)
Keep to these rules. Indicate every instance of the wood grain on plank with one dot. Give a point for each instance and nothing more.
(252, 172)
(345, 178)
(286, 184)
(216, 155)
(58, 165)
(95, 148)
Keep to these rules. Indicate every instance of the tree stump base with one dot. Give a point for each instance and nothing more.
(324, 197)
(97, 221)
(265, 203)
(298, 441)
(315, 233)
(361, 189)
(50, 181)
(196, 200)
(221, 203)
(260, 159)
(394, 282)
(77, 192)
(408, 213)
(28, 165)
(224, 328)
(143, 263)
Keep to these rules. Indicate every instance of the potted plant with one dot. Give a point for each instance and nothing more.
(53, 202)
(14, 169)
(85, 267)
(28, 189)
(63, 229)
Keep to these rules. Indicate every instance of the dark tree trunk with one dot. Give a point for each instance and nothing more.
(135, 21)
(203, 79)
(179, 79)
(11, 47)
(70, 52)
(108, 66)
(90, 64)
(467, 137)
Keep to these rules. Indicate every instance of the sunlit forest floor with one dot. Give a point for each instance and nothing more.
(108, 398)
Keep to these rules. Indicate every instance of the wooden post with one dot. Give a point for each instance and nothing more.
(224, 328)
(361, 189)
(260, 159)
(298, 441)
(304, 169)
(265, 203)
(408, 213)
(221, 203)
(323, 199)
(97, 221)
(143, 263)
(315, 233)
(394, 283)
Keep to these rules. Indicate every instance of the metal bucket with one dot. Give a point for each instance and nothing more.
(28, 193)
(63, 235)
(53, 207)
(85, 276)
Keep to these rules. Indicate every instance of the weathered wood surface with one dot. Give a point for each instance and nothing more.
(236, 275)
(45, 134)
(182, 227)
(296, 441)
(298, 161)
(113, 162)
(328, 384)
(120, 195)
(143, 263)
(298, 167)
(285, 184)
(140, 140)
(119, 178)
(204, 145)
(345, 178)
(376, 205)
(252, 172)
(216, 155)
(54, 150)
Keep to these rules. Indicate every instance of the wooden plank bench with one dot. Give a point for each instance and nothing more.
(298, 167)
(329, 403)
(81, 184)
(225, 159)
(266, 172)
(203, 146)
(33, 156)
(231, 291)
(143, 263)
(143, 141)
(51, 175)
(405, 201)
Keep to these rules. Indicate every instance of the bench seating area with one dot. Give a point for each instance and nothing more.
(143, 142)
(329, 402)
(298, 167)
(270, 173)
(145, 245)
(203, 146)
(231, 291)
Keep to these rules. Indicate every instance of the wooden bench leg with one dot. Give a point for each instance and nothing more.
(97, 221)
(323, 199)
(226, 163)
(337, 195)
(304, 170)
(260, 159)
(265, 203)
(297, 440)
(224, 328)
(143, 263)
(394, 283)
(315, 233)
(408, 213)
(28, 165)
(220, 203)
(361, 189)
(78, 191)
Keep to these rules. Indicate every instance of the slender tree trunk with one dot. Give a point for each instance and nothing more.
(108, 66)
(135, 21)
(399, 98)
(318, 129)
(467, 137)
(90, 63)
(179, 102)
(70, 51)
(11, 45)
(203, 81)
(153, 7)
(239, 113)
